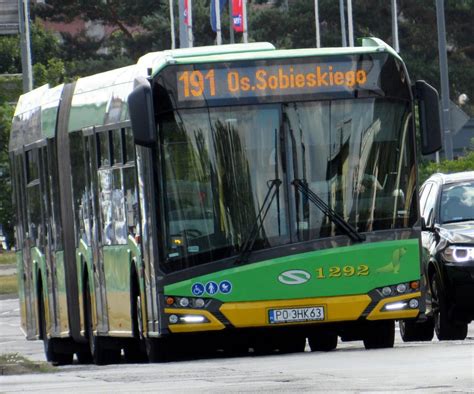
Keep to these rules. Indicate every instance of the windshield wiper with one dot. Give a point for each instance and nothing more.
(262, 213)
(350, 230)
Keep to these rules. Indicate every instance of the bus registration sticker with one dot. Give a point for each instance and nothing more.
(295, 315)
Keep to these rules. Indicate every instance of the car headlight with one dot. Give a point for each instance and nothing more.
(458, 254)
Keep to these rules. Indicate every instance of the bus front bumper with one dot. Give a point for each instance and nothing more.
(260, 313)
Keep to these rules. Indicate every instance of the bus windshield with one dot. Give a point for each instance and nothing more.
(219, 164)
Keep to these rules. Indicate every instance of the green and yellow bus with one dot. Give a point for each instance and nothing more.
(231, 198)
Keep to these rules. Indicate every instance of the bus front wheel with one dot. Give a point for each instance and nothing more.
(52, 346)
(380, 334)
(158, 349)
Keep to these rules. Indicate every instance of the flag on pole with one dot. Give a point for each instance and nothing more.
(237, 19)
(222, 3)
(186, 12)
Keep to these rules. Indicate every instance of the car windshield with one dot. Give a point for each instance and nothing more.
(457, 202)
(220, 167)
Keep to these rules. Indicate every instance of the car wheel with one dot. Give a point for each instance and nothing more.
(411, 330)
(444, 328)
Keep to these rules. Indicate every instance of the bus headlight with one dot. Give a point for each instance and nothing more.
(399, 305)
(401, 288)
(184, 302)
(193, 319)
(395, 306)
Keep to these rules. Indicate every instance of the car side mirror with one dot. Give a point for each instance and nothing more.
(140, 106)
(423, 224)
(430, 122)
(430, 226)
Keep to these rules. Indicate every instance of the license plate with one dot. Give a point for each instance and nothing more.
(292, 315)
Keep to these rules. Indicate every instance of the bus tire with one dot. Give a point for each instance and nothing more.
(158, 350)
(84, 357)
(51, 345)
(100, 354)
(380, 334)
(135, 351)
(322, 341)
(444, 328)
(411, 330)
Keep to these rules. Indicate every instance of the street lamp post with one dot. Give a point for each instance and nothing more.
(443, 69)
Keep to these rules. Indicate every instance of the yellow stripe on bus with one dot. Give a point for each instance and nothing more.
(255, 314)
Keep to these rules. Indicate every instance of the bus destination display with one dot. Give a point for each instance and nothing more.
(276, 80)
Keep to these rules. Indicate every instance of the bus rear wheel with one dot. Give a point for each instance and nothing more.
(411, 330)
(101, 355)
(52, 346)
(380, 334)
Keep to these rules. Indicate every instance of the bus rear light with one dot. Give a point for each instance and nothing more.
(169, 300)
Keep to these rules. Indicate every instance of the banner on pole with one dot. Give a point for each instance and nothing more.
(237, 18)
(186, 12)
(222, 3)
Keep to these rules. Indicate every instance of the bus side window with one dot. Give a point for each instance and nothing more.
(56, 227)
(18, 176)
(130, 183)
(33, 195)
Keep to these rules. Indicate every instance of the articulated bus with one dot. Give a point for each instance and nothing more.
(232, 198)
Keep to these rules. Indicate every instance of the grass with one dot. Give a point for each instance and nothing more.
(15, 364)
(7, 258)
(8, 284)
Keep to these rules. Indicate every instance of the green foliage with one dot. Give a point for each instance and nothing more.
(16, 364)
(53, 72)
(10, 61)
(6, 206)
(465, 163)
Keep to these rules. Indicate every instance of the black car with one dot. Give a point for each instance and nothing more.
(447, 208)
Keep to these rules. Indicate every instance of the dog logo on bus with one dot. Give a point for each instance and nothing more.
(294, 277)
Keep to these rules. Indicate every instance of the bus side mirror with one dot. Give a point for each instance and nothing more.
(430, 124)
(140, 106)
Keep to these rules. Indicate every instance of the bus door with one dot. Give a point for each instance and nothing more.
(35, 229)
(25, 272)
(91, 215)
(46, 165)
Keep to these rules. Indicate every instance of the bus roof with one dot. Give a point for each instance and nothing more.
(101, 99)
(202, 55)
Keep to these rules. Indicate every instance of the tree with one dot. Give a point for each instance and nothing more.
(6, 206)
